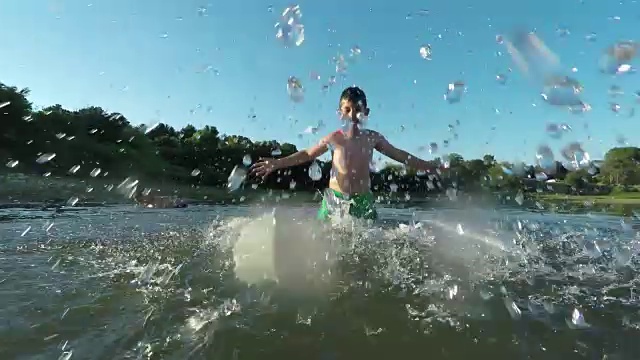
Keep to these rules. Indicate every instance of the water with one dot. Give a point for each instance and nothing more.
(129, 283)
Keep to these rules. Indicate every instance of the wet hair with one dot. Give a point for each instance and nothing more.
(355, 95)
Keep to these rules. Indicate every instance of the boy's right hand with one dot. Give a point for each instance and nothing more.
(263, 167)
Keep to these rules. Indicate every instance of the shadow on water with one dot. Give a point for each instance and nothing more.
(449, 284)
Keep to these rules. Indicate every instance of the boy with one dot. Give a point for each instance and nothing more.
(352, 154)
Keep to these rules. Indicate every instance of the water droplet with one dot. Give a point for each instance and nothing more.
(276, 152)
(355, 52)
(556, 130)
(26, 231)
(290, 29)
(425, 52)
(236, 178)
(512, 308)
(12, 163)
(4, 104)
(147, 131)
(623, 255)
(617, 55)
(127, 187)
(454, 92)
(615, 107)
(519, 198)
(95, 172)
(485, 295)
(246, 160)
(577, 320)
(341, 63)
(563, 32)
(45, 158)
(310, 130)
(574, 153)
(72, 201)
(295, 89)
(195, 172)
(541, 176)
(545, 158)
(452, 291)
(373, 167)
(615, 91)
(452, 194)
(315, 172)
(74, 169)
(625, 68)
(433, 148)
(562, 91)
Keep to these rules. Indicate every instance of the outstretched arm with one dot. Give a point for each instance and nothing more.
(301, 156)
(399, 155)
(264, 168)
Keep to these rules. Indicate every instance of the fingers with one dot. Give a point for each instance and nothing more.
(259, 163)
(256, 171)
(260, 170)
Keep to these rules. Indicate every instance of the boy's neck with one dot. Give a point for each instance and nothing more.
(352, 129)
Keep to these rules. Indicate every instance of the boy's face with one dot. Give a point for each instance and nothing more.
(353, 111)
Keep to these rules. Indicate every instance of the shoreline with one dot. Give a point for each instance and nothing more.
(631, 198)
(28, 191)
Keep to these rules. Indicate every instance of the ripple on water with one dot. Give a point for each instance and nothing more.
(161, 284)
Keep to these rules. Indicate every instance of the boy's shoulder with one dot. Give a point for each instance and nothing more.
(372, 132)
(339, 134)
(373, 135)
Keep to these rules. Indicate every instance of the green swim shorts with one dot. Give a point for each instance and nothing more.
(362, 206)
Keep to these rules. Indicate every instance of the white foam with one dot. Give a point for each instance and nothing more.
(254, 250)
(287, 247)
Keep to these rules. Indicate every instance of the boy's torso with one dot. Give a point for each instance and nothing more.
(350, 163)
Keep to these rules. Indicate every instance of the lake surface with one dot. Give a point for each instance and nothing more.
(130, 283)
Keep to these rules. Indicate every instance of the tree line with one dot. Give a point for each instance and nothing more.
(93, 142)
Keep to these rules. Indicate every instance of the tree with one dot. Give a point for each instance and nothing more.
(621, 166)
(15, 112)
(578, 179)
(92, 138)
(489, 160)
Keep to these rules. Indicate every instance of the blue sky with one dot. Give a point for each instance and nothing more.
(112, 53)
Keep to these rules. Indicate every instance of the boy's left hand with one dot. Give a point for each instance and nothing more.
(262, 168)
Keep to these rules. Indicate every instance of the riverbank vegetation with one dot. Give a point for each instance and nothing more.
(53, 153)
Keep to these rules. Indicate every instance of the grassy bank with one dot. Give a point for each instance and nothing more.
(625, 204)
(631, 198)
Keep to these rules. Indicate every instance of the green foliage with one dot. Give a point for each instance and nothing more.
(620, 166)
(93, 138)
(500, 179)
(579, 179)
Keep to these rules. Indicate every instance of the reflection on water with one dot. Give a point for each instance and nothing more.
(126, 283)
